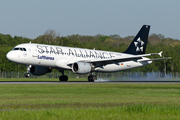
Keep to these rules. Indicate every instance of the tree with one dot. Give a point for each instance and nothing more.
(49, 36)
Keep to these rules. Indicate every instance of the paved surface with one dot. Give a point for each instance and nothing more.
(86, 82)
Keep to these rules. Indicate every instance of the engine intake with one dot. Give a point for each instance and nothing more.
(81, 67)
(35, 70)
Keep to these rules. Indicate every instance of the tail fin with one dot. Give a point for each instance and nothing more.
(138, 45)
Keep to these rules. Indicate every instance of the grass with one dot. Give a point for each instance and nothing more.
(90, 101)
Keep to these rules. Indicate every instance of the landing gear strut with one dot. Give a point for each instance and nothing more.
(27, 73)
(63, 77)
(91, 78)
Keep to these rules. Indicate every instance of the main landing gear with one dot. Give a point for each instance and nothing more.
(63, 77)
(91, 78)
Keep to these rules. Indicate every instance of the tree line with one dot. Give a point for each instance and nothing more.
(156, 43)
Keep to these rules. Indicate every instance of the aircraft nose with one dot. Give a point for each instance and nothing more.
(10, 56)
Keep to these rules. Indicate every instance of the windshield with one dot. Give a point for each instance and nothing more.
(21, 49)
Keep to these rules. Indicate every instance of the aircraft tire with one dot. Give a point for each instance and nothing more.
(91, 78)
(63, 78)
(26, 75)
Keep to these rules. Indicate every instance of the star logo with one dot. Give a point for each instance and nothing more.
(139, 45)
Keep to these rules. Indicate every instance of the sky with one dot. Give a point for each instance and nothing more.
(31, 18)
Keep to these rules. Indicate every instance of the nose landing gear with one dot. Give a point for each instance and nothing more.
(28, 69)
(26, 75)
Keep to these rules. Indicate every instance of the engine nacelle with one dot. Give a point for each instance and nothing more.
(81, 67)
(35, 70)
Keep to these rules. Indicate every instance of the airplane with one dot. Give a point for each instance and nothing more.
(41, 59)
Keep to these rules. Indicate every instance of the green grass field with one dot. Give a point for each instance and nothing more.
(90, 101)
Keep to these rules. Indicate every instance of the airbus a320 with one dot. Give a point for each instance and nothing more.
(41, 59)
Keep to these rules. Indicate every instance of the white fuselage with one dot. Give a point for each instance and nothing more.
(59, 57)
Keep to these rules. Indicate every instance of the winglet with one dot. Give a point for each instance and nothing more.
(160, 53)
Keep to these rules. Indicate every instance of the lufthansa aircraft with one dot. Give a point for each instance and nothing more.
(40, 58)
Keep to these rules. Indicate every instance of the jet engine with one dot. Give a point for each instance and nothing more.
(81, 67)
(35, 70)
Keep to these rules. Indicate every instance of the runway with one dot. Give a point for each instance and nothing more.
(86, 82)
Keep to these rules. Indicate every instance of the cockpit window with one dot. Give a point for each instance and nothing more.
(16, 49)
(21, 49)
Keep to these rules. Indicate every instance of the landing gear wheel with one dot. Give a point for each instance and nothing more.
(91, 78)
(63, 78)
(26, 75)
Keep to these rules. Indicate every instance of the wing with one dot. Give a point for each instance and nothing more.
(117, 60)
(154, 59)
(137, 58)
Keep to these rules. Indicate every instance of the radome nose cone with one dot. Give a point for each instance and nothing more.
(10, 56)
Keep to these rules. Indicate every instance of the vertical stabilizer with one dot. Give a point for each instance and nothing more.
(138, 45)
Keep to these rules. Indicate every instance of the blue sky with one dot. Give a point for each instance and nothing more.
(89, 17)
